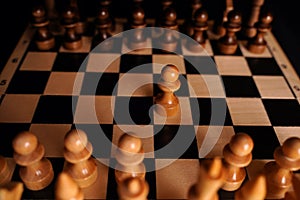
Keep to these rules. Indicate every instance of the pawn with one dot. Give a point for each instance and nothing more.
(36, 171)
(67, 189)
(237, 155)
(11, 191)
(79, 163)
(103, 25)
(280, 171)
(168, 41)
(228, 43)
(211, 178)
(167, 102)
(130, 156)
(133, 188)
(295, 193)
(188, 23)
(137, 40)
(253, 189)
(258, 44)
(44, 39)
(200, 25)
(72, 40)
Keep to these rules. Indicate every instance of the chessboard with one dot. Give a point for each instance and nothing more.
(107, 93)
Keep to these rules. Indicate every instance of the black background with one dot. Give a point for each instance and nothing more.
(15, 16)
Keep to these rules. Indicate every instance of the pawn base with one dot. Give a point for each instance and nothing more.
(46, 45)
(73, 45)
(227, 49)
(256, 48)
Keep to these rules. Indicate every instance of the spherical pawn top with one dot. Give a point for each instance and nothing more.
(29, 154)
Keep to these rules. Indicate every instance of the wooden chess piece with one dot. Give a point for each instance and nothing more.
(106, 4)
(211, 178)
(80, 165)
(4, 171)
(280, 171)
(188, 23)
(250, 30)
(36, 171)
(200, 25)
(133, 188)
(228, 43)
(72, 40)
(44, 39)
(11, 191)
(258, 44)
(103, 25)
(255, 188)
(137, 40)
(237, 155)
(219, 28)
(130, 156)
(66, 188)
(167, 102)
(168, 41)
(295, 193)
(80, 27)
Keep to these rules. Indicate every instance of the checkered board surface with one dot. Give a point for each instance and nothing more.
(39, 91)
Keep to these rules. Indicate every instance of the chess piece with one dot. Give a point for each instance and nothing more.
(295, 193)
(250, 30)
(228, 43)
(79, 163)
(258, 44)
(4, 171)
(36, 171)
(237, 155)
(219, 28)
(211, 178)
(188, 23)
(103, 24)
(133, 188)
(72, 40)
(44, 39)
(168, 41)
(80, 27)
(66, 188)
(200, 25)
(280, 171)
(168, 103)
(11, 191)
(106, 4)
(253, 189)
(129, 156)
(137, 22)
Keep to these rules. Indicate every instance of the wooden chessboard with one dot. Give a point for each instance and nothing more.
(48, 93)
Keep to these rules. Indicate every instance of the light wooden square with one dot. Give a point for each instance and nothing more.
(52, 137)
(274, 87)
(159, 61)
(143, 132)
(39, 61)
(284, 133)
(94, 110)
(175, 177)
(232, 65)
(206, 51)
(18, 108)
(147, 50)
(135, 84)
(247, 111)
(103, 62)
(247, 53)
(205, 86)
(64, 83)
(211, 140)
